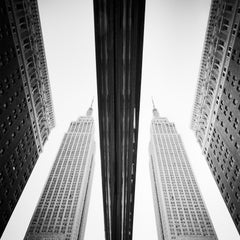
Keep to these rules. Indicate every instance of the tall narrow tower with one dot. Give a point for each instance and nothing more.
(26, 112)
(62, 209)
(179, 208)
(216, 114)
(119, 43)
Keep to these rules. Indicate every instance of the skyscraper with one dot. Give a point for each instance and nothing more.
(216, 115)
(26, 113)
(119, 29)
(61, 212)
(179, 208)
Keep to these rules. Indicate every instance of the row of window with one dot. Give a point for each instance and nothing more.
(57, 207)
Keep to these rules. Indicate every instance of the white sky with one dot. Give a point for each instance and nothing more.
(173, 42)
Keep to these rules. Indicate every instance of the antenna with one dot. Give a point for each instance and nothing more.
(155, 111)
(153, 103)
(90, 110)
(92, 102)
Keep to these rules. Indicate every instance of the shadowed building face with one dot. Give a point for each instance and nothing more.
(26, 112)
(119, 29)
(216, 115)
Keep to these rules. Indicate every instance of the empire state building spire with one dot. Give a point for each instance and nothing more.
(90, 110)
(155, 111)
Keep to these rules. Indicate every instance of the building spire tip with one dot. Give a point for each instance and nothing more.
(92, 102)
(153, 103)
(90, 109)
(155, 111)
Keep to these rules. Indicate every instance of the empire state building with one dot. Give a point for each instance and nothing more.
(62, 210)
(179, 208)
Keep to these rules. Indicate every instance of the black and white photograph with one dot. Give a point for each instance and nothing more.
(119, 119)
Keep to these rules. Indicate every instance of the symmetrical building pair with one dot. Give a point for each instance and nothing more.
(27, 118)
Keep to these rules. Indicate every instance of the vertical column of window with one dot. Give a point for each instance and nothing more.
(182, 181)
(191, 187)
(78, 161)
(70, 159)
(55, 185)
(197, 196)
(39, 215)
(186, 191)
(85, 148)
(82, 155)
(166, 160)
(177, 180)
(157, 162)
(72, 179)
(61, 180)
(87, 161)
(158, 165)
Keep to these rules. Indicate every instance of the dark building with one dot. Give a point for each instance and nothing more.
(216, 115)
(26, 114)
(119, 29)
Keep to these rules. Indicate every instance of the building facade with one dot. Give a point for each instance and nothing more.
(216, 115)
(179, 208)
(119, 29)
(61, 212)
(26, 112)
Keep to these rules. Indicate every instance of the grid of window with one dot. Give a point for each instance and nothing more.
(26, 115)
(180, 204)
(61, 208)
(219, 50)
(216, 117)
(23, 18)
(225, 168)
(15, 172)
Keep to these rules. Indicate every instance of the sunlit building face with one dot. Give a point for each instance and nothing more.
(179, 208)
(61, 212)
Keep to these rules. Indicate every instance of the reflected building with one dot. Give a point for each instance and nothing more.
(119, 29)
(26, 112)
(216, 115)
(61, 212)
(179, 208)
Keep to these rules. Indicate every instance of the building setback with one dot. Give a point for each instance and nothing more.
(179, 208)
(119, 29)
(26, 113)
(216, 115)
(61, 212)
